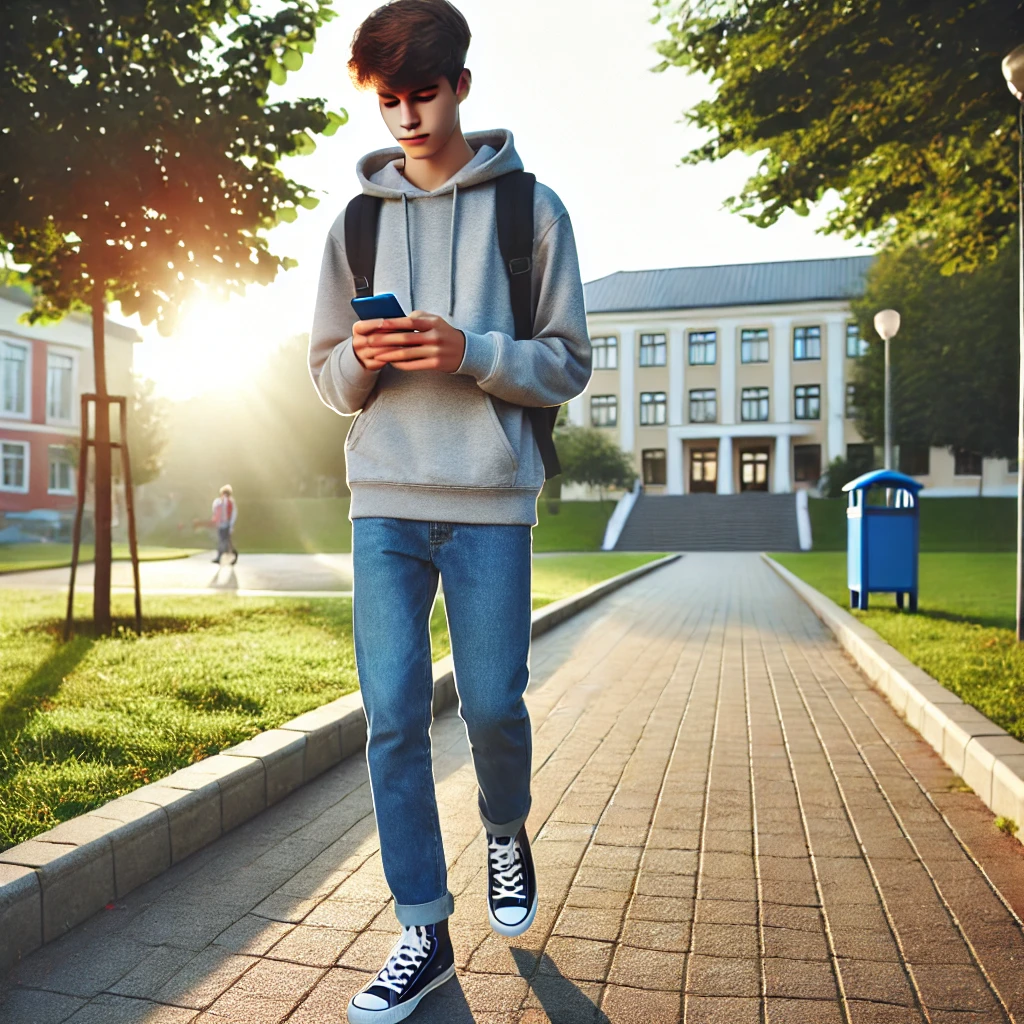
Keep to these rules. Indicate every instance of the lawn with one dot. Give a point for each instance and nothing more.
(85, 721)
(964, 633)
(23, 557)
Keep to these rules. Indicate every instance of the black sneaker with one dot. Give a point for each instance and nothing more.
(511, 884)
(421, 961)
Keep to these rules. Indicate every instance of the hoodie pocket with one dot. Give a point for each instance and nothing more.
(438, 431)
(363, 421)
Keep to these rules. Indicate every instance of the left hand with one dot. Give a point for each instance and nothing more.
(435, 345)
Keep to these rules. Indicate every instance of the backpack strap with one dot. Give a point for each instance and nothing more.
(362, 215)
(514, 208)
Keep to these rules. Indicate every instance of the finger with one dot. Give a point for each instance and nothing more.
(401, 338)
(400, 355)
(367, 327)
(417, 364)
(398, 323)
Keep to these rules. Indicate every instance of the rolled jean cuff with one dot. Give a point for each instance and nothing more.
(510, 828)
(418, 914)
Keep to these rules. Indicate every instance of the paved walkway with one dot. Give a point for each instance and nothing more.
(731, 827)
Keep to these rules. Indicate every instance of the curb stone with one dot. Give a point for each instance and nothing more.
(986, 757)
(58, 879)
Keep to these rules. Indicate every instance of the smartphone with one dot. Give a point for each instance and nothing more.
(384, 306)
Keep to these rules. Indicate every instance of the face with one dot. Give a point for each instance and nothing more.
(422, 120)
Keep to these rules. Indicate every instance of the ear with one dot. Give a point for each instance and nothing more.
(465, 84)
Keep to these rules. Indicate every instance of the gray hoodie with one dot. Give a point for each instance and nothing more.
(452, 447)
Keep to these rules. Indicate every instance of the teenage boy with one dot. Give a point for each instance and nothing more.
(444, 471)
(225, 512)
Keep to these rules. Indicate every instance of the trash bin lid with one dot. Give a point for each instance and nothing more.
(884, 478)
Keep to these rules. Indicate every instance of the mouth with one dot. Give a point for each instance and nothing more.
(415, 140)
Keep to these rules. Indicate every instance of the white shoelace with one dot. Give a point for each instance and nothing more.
(406, 958)
(506, 870)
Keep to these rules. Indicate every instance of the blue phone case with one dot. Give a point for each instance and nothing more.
(384, 306)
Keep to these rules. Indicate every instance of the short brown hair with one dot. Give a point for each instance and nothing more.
(407, 43)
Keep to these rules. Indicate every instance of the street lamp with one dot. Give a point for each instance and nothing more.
(1013, 71)
(887, 323)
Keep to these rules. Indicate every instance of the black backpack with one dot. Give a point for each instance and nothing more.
(515, 240)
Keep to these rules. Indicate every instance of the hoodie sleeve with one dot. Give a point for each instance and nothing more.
(342, 382)
(554, 365)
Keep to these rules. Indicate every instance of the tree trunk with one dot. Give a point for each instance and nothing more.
(101, 580)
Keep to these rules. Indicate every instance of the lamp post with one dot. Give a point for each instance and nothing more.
(1013, 71)
(887, 323)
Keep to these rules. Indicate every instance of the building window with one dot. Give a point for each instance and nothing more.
(652, 408)
(14, 378)
(61, 471)
(606, 353)
(806, 342)
(861, 458)
(851, 401)
(1012, 466)
(754, 346)
(856, 346)
(966, 463)
(604, 410)
(59, 374)
(754, 405)
(915, 459)
(806, 463)
(652, 349)
(703, 348)
(807, 402)
(654, 465)
(703, 406)
(14, 466)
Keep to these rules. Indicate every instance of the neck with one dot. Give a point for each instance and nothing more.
(432, 172)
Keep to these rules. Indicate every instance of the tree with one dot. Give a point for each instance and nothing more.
(147, 431)
(897, 105)
(954, 361)
(589, 456)
(140, 156)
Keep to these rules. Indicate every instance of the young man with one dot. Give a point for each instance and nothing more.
(225, 512)
(444, 471)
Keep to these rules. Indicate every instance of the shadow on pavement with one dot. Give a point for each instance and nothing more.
(561, 999)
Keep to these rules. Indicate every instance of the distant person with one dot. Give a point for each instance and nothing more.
(225, 512)
(445, 461)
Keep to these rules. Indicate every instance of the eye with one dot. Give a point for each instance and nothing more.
(390, 103)
(425, 97)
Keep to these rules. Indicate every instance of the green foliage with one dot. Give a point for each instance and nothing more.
(147, 431)
(1006, 825)
(140, 150)
(955, 360)
(590, 456)
(839, 473)
(899, 106)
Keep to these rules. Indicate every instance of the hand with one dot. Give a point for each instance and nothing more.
(433, 345)
(365, 343)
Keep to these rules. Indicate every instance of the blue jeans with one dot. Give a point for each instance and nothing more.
(486, 575)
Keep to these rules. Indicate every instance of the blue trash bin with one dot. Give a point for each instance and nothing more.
(882, 541)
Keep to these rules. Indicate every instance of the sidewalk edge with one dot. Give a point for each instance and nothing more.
(58, 879)
(984, 755)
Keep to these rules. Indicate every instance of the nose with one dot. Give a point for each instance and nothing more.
(410, 119)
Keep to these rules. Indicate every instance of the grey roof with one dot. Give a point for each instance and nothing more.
(740, 284)
(116, 330)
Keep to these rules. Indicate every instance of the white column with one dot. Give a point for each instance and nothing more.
(676, 376)
(835, 389)
(782, 399)
(725, 465)
(627, 398)
(781, 482)
(674, 464)
(727, 345)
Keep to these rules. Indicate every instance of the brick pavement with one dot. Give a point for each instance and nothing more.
(731, 826)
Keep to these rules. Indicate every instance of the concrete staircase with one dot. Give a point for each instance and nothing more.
(753, 521)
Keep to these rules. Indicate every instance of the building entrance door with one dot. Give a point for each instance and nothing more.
(704, 471)
(754, 469)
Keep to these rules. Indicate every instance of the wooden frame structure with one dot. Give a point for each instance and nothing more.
(102, 407)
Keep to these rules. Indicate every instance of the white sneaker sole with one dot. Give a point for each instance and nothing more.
(357, 1015)
(512, 930)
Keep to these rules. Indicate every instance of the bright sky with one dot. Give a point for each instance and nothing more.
(571, 80)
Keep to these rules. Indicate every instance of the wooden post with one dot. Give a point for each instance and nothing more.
(129, 503)
(76, 538)
(101, 568)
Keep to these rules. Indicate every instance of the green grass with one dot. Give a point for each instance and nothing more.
(964, 633)
(23, 557)
(85, 721)
(947, 524)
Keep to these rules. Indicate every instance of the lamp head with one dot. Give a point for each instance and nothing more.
(1013, 71)
(887, 323)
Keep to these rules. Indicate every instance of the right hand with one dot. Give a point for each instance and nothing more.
(363, 334)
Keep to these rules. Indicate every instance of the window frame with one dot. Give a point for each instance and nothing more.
(613, 348)
(804, 400)
(807, 338)
(50, 489)
(27, 347)
(961, 453)
(766, 341)
(713, 392)
(658, 348)
(26, 455)
(849, 405)
(646, 461)
(916, 449)
(51, 352)
(863, 345)
(798, 449)
(759, 398)
(708, 339)
(610, 402)
(658, 404)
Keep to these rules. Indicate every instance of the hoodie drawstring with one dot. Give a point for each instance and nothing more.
(451, 251)
(408, 251)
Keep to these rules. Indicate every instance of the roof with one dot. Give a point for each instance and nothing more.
(739, 284)
(18, 297)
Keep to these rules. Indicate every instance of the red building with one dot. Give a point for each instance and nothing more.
(43, 372)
